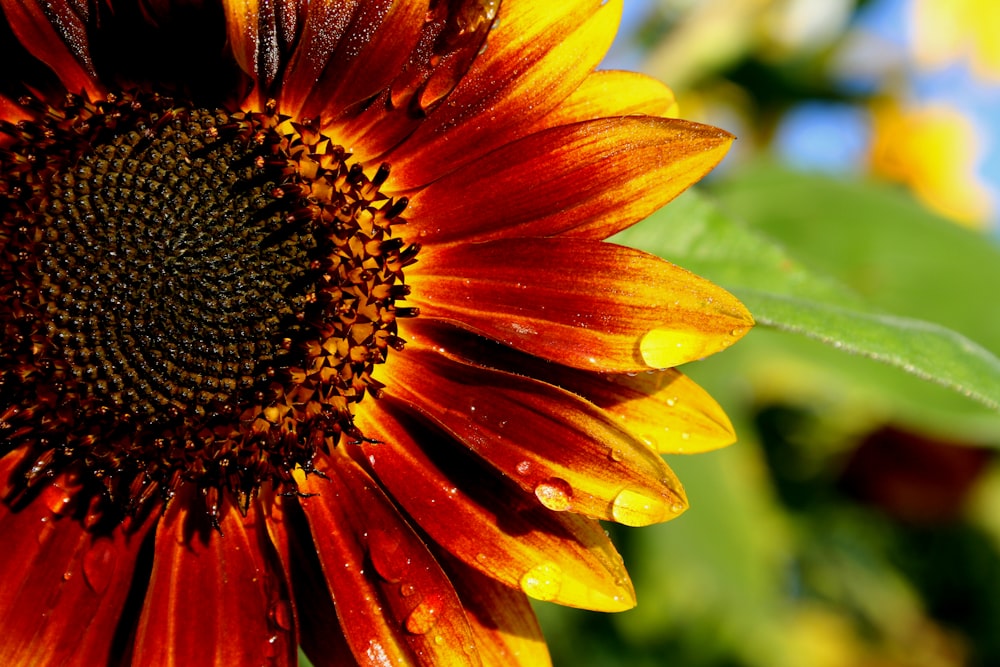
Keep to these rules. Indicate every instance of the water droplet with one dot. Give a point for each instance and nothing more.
(406, 590)
(46, 529)
(281, 614)
(481, 558)
(424, 616)
(543, 582)
(387, 555)
(99, 564)
(672, 401)
(676, 508)
(271, 646)
(57, 499)
(523, 467)
(439, 640)
(94, 513)
(616, 454)
(634, 507)
(737, 331)
(555, 493)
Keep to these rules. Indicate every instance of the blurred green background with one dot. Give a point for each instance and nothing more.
(857, 521)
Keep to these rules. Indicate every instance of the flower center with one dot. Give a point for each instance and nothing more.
(188, 295)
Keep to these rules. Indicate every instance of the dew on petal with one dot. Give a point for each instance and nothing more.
(543, 582)
(387, 556)
(57, 499)
(424, 616)
(45, 531)
(406, 590)
(555, 493)
(633, 507)
(99, 565)
(280, 614)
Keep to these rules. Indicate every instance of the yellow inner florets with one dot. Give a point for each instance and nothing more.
(188, 295)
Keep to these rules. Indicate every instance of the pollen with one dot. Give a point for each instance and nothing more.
(188, 295)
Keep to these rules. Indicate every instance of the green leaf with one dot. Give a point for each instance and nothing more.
(785, 296)
(878, 242)
(926, 350)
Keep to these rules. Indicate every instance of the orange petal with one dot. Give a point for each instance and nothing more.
(252, 29)
(63, 587)
(502, 619)
(538, 53)
(665, 409)
(590, 179)
(482, 519)
(612, 94)
(581, 303)
(321, 637)
(394, 602)
(348, 51)
(451, 36)
(550, 442)
(54, 32)
(213, 598)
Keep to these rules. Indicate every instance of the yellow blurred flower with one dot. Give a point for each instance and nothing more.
(933, 150)
(944, 31)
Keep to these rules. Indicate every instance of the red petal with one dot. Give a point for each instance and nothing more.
(54, 32)
(590, 179)
(63, 588)
(548, 441)
(664, 409)
(394, 602)
(348, 51)
(252, 28)
(481, 518)
(214, 598)
(538, 53)
(322, 639)
(502, 619)
(452, 35)
(580, 303)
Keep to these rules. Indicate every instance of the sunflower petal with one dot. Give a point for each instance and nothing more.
(451, 37)
(394, 611)
(581, 303)
(492, 527)
(62, 594)
(347, 52)
(55, 33)
(253, 34)
(590, 179)
(665, 409)
(612, 94)
(213, 598)
(552, 443)
(321, 637)
(537, 55)
(506, 630)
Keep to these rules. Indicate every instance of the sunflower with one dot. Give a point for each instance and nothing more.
(311, 337)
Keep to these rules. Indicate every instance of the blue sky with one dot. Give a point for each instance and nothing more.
(833, 137)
